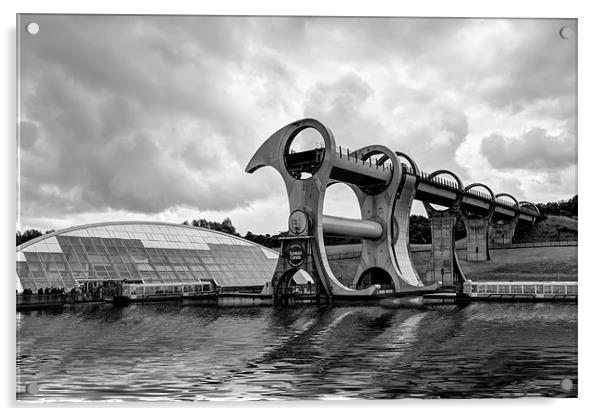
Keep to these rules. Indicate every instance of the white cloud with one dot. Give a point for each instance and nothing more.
(536, 149)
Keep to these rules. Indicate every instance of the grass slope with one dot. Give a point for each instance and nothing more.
(553, 228)
(525, 264)
(536, 263)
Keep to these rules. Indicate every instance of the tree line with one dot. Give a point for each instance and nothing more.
(420, 232)
(561, 208)
(419, 228)
(29, 235)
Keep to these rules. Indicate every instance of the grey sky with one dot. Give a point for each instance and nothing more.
(126, 117)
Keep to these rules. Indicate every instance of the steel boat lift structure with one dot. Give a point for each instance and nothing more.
(385, 187)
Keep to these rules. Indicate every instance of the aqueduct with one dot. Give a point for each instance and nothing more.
(385, 187)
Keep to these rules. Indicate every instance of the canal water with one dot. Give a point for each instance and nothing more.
(171, 352)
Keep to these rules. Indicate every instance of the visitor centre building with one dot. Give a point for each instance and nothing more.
(96, 255)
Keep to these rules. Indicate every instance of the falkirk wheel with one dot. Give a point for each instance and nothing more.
(385, 187)
(385, 193)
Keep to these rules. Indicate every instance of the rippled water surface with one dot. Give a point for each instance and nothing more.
(174, 352)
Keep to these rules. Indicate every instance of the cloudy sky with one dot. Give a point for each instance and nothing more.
(124, 117)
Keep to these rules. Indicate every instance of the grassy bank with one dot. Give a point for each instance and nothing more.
(552, 228)
(533, 263)
(536, 263)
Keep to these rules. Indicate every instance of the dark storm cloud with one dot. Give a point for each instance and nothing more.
(148, 114)
(95, 89)
(158, 64)
(536, 149)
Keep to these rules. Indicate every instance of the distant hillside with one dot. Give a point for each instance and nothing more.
(552, 228)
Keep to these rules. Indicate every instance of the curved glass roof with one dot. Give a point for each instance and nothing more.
(151, 252)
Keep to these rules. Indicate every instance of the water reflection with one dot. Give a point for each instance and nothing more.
(174, 352)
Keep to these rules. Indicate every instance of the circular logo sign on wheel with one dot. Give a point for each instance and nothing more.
(296, 255)
(297, 222)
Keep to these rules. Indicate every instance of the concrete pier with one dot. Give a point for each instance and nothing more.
(477, 223)
(502, 230)
(443, 263)
(477, 232)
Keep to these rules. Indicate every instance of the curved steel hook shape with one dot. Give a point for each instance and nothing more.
(516, 203)
(271, 152)
(413, 164)
(458, 201)
(531, 205)
(448, 172)
(474, 185)
(368, 151)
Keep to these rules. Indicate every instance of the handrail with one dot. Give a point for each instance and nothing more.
(346, 153)
(509, 288)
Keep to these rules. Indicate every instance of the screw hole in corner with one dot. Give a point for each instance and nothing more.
(32, 28)
(566, 32)
(32, 388)
(566, 384)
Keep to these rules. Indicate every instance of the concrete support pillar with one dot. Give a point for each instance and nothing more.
(443, 264)
(477, 232)
(478, 227)
(503, 232)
